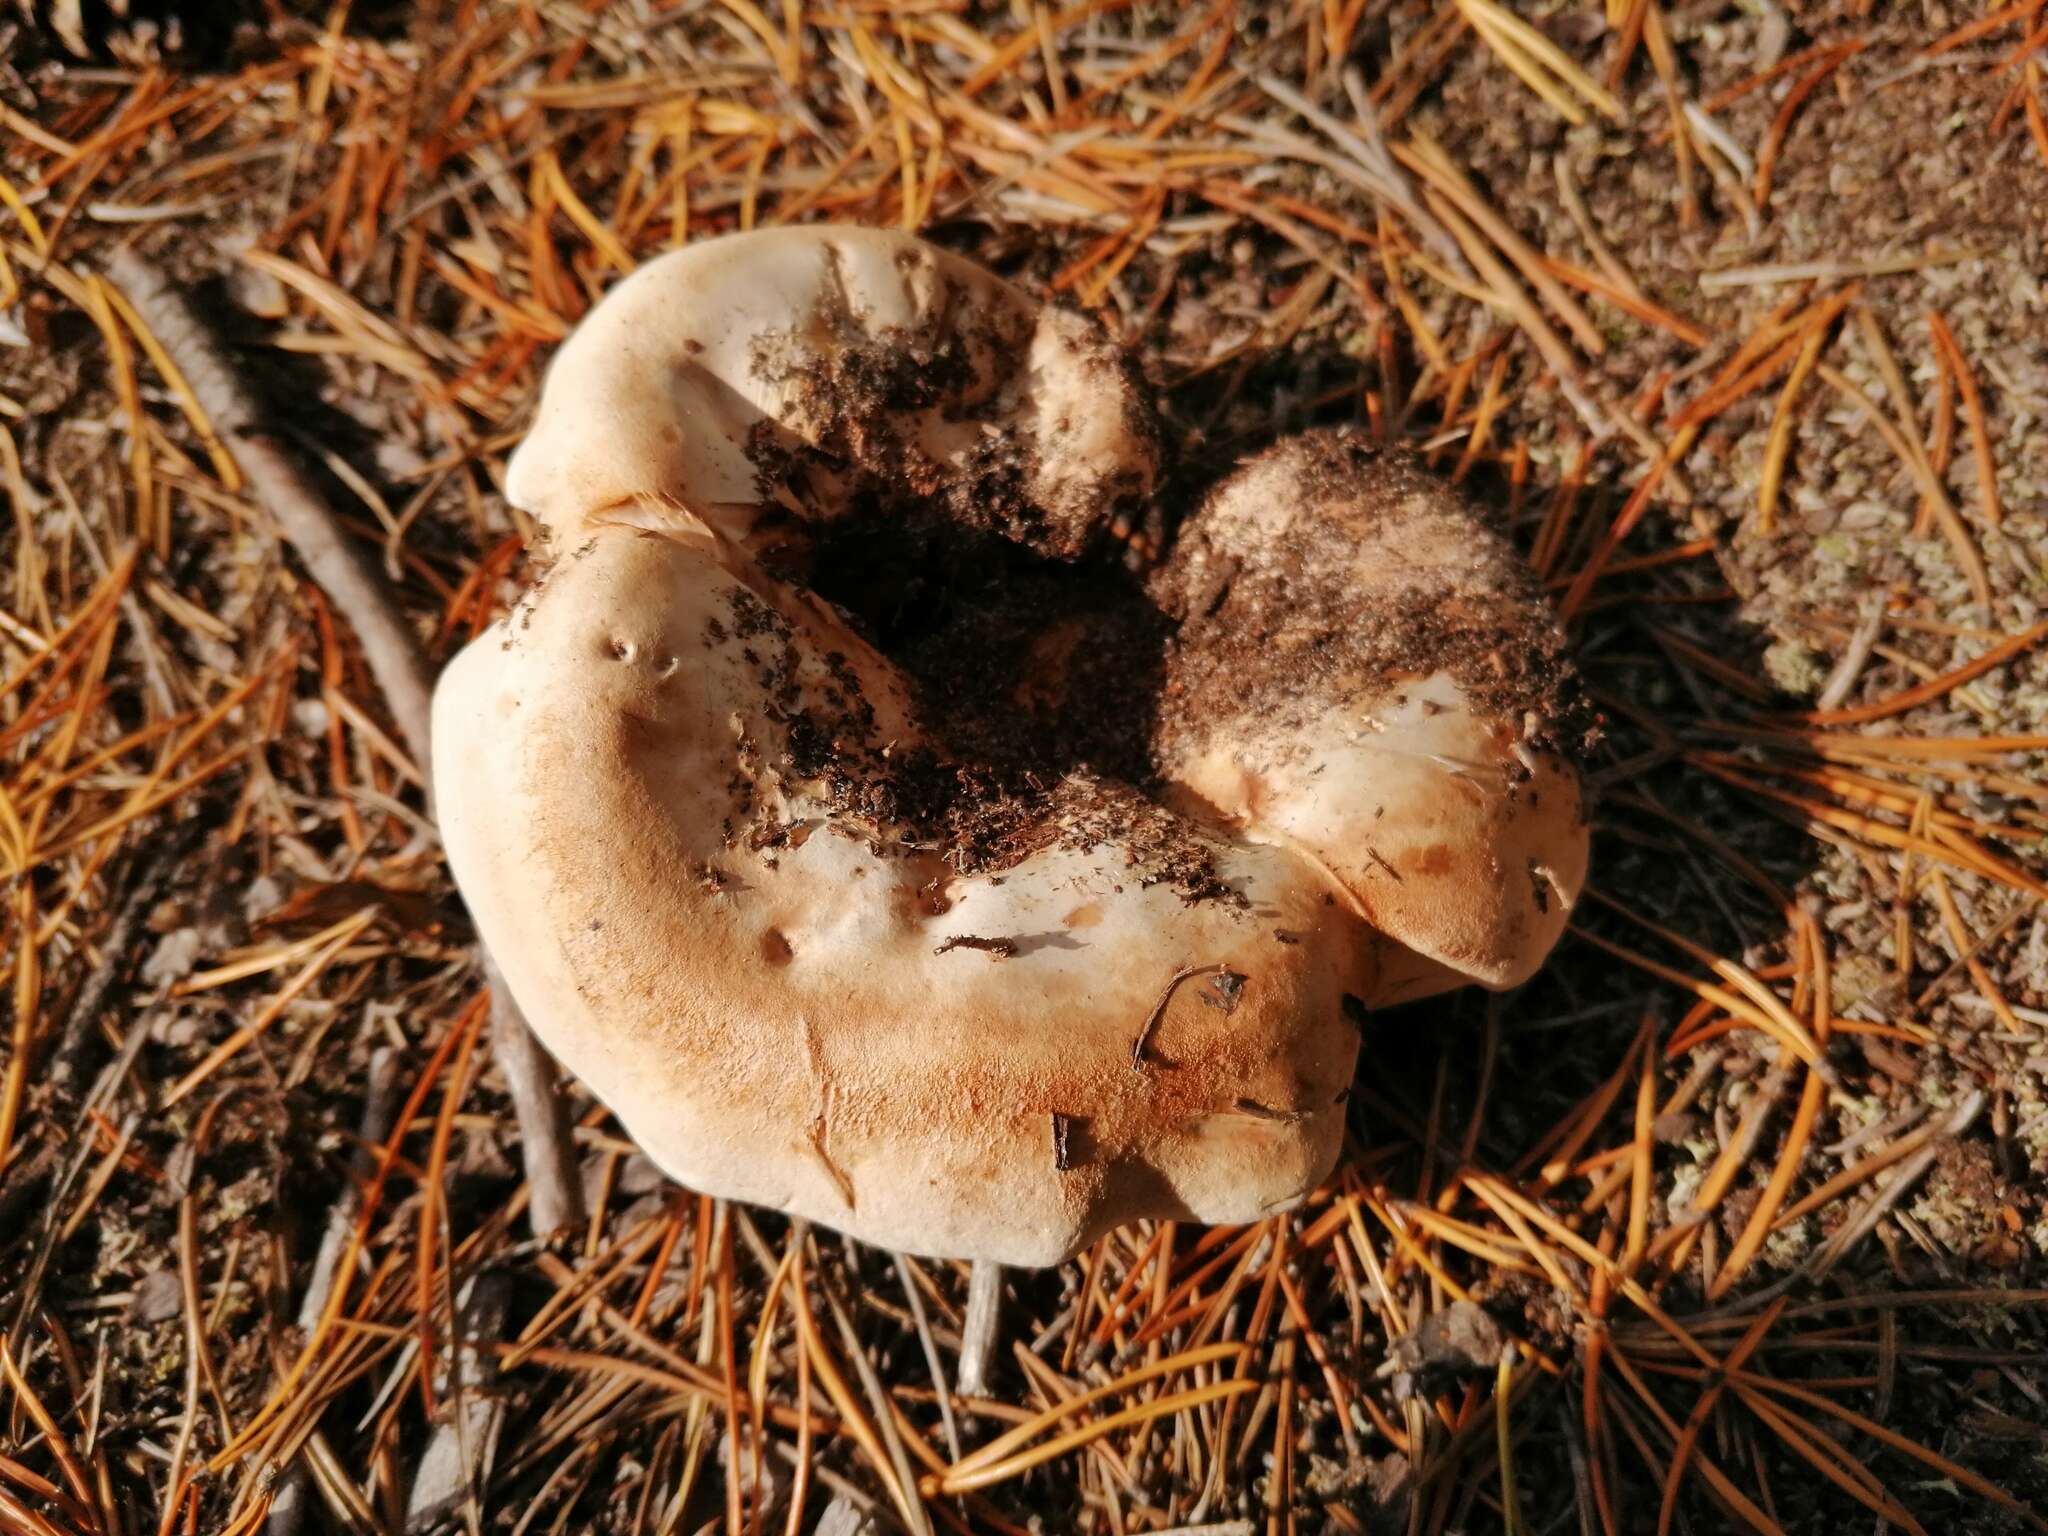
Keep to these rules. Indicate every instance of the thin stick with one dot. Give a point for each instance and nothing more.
(978, 1328)
(931, 1356)
(356, 588)
(282, 484)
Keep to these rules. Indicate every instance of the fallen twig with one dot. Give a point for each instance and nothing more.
(395, 658)
(978, 1327)
(117, 948)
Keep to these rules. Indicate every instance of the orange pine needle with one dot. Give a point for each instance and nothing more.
(1973, 406)
(1934, 688)
(1781, 125)
(1681, 1453)
(1983, 26)
(1780, 443)
(2037, 125)
(2025, 50)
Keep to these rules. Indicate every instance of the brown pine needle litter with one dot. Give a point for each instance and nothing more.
(1732, 1219)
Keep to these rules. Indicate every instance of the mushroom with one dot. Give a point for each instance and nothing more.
(1365, 674)
(844, 813)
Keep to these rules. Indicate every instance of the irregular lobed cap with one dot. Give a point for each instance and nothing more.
(745, 884)
(799, 369)
(1367, 673)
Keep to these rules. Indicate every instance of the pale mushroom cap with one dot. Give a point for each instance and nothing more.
(1395, 689)
(856, 354)
(692, 809)
(778, 1025)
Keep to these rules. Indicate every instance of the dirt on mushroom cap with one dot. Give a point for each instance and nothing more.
(1268, 630)
(1053, 683)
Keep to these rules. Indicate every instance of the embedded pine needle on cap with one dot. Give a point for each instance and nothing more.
(851, 818)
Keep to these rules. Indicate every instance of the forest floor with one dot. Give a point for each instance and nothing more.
(1735, 1218)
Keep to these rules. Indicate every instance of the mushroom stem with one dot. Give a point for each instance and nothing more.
(314, 530)
(978, 1328)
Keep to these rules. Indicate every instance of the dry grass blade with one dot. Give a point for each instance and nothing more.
(885, 1416)
(1755, 1004)
(826, 1371)
(1022, 1434)
(1736, 1503)
(1536, 59)
(1782, 422)
(1509, 296)
(1829, 1460)
(27, 995)
(75, 1479)
(954, 1480)
(1941, 1465)
(1973, 405)
(1774, 140)
(329, 945)
(1908, 449)
(1428, 160)
(1681, 1454)
(1983, 26)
